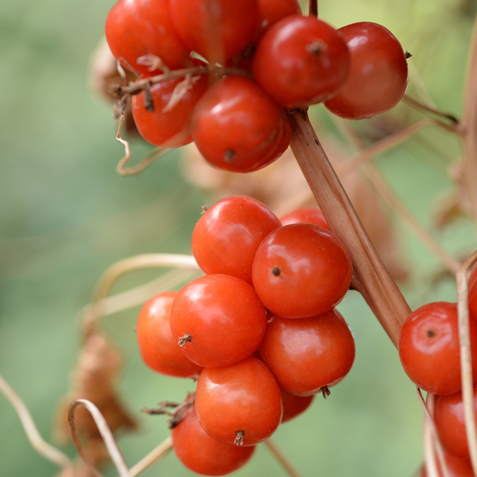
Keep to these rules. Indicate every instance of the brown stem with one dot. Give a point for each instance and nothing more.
(313, 8)
(282, 459)
(370, 278)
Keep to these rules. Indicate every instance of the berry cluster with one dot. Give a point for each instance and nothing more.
(430, 355)
(257, 57)
(260, 329)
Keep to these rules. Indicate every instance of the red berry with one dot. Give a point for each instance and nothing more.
(305, 215)
(450, 423)
(157, 346)
(301, 61)
(378, 77)
(135, 28)
(204, 455)
(164, 126)
(227, 236)
(308, 354)
(236, 127)
(301, 270)
(239, 404)
(294, 405)
(219, 319)
(217, 29)
(429, 348)
(271, 11)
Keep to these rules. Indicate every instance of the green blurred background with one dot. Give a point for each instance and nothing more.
(65, 216)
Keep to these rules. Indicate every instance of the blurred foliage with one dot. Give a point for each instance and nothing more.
(65, 216)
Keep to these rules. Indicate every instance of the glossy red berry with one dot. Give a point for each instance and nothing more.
(272, 11)
(450, 423)
(378, 77)
(219, 319)
(204, 455)
(216, 30)
(135, 28)
(429, 348)
(301, 270)
(157, 346)
(305, 215)
(308, 354)
(161, 122)
(301, 61)
(227, 236)
(239, 404)
(236, 127)
(294, 405)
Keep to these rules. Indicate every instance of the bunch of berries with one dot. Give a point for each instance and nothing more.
(429, 348)
(222, 72)
(260, 329)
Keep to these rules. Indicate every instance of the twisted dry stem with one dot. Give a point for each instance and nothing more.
(45, 449)
(370, 276)
(116, 271)
(105, 432)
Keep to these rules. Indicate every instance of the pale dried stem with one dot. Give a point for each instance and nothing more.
(152, 458)
(370, 276)
(105, 432)
(431, 439)
(382, 146)
(116, 271)
(138, 295)
(468, 125)
(45, 449)
(141, 166)
(462, 277)
(384, 188)
(282, 459)
(429, 109)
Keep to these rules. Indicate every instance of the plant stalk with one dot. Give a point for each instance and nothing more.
(370, 276)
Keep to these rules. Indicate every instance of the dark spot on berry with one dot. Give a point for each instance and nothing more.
(275, 271)
(431, 333)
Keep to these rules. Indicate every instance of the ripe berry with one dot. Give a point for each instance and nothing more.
(450, 423)
(227, 236)
(236, 127)
(157, 346)
(301, 61)
(294, 405)
(429, 348)
(219, 319)
(136, 28)
(216, 30)
(204, 455)
(301, 270)
(239, 404)
(309, 354)
(378, 77)
(158, 122)
(305, 215)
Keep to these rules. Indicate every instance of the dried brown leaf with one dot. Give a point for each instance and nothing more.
(94, 377)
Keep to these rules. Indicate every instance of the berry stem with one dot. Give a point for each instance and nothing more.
(153, 457)
(370, 277)
(424, 107)
(281, 458)
(313, 8)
